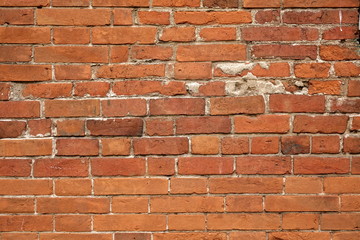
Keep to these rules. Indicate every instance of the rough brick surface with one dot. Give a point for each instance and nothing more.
(179, 119)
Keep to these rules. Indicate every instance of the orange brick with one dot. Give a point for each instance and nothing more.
(15, 54)
(91, 89)
(25, 187)
(12, 129)
(17, 16)
(300, 221)
(320, 4)
(151, 52)
(188, 185)
(154, 17)
(234, 145)
(176, 3)
(218, 34)
(129, 222)
(77, 147)
(73, 17)
(15, 167)
(72, 72)
(320, 124)
(71, 35)
(124, 35)
(70, 3)
(25, 147)
(299, 235)
(236, 105)
(341, 221)
(115, 146)
(17, 205)
(161, 146)
(211, 52)
(320, 165)
(72, 108)
(24, 3)
(73, 205)
(216, 17)
(161, 166)
(205, 145)
(186, 222)
(123, 16)
(61, 167)
(244, 204)
(282, 34)
(130, 204)
(118, 166)
(48, 90)
(264, 145)
(261, 4)
(177, 106)
(75, 236)
(159, 127)
(26, 223)
(192, 70)
(341, 185)
(25, 73)
(131, 71)
(312, 70)
(116, 3)
(73, 187)
(297, 103)
(205, 165)
(245, 185)
(263, 165)
(24, 35)
(325, 87)
(70, 128)
(303, 185)
(262, 124)
(178, 34)
(72, 223)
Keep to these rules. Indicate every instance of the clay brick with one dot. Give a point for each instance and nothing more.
(312, 70)
(346, 69)
(132, 236)
(116, 3)
(345, 235)
(205, 145)
(320, 124)
(350, 203)
(70, 128)
(325, 144)
(119, 54)
(186, 222)
(71, 35)
(320, 17)
(130, 186)
(341, 185)
(75, 236)
(91, 89)
(26, 223)
(264, 145)
(297, 103)
(340, 221)
(352, 145)
(267, 16)
(247, 235)
(262, 124)
(325, 87)
(72, 72)
(25, 187)
(221, 3)
(123, 16)
(303, 185)
(234, 145)
(76, 147)
(236, 105)
(115, 146)
(48, 90)
(192, 70)
(130, 204)
(17, 16)
(320, 3)
(279, 34)
(73, 205)
(354, 88)
(15, 54)
(129, 222)
(24, 35)
(115, 127)
(355, 123)
(15, 167)
(138, 87)
(285, 51)
(124, 35)
(244, 203)
(159, 127)
(188, 185)
(190, 236)
(246, 185)
(177, 106)
(72, 108)
(131, 71)
(73, 187)
(123, 107)
(342, 33)
(12, 129)
(299, 235)
(73, 17)
(61, 167)
(5, 91)
(25, 73)
(205, 165)
(70, 3)
(300, 221)
(161, 146)
(154, 17)
(218, 34)
(291, 145)
(25, 147)
(337, 53)
(345, 105)
(211, 52)
(24, 3)
(161, 166)
(178, 34)
(151, 52)
(73, 223)
(176, 3)
(199, 125)
(17, 205)
(263, 165)
(261, 4)
(186, 204)
(211, 89)
(118, 166)
(209, 18)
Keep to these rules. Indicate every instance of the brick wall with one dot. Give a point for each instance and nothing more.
(179, 119)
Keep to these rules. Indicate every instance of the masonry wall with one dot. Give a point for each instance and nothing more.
(179, 119)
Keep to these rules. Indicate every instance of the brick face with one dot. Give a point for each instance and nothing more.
(179, 119)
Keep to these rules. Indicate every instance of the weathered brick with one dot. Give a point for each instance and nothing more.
(151, 52)
(25, 147)
(72, 72)
(61, 167)
(205, 165)
(17, 205)
(235, 145)
(115, 146)
(26, 223)
(261, 4)
(71, 35)
(131, 71)
(218, 34)
(279, 34)
(130, 222)
(320, 124)
(73, 223)
(331, 87)
(115, 127)
(192, 70)
(262, 124)
(221, 3)
(73, 187)
(285, 51)
(211, 52)
(15, 167)
(186, 222)
(48, 90)
(73, 17)
(124, 35)
(118, 166)
(139, 87)
(345, 105)
(161, 146)
(312, 70)
(116, 3)
(217, 17)
(334, 53)
(205, 145)
(245, 185)
(291, 145)
(25, 73)
(73, 205)
(236, 105)
(178, 34)
(320, 165)
(297, 103)
(197, 125)
(303, 185)
(17, 16)
(72, 108)
(130, 204)
(25, 187)
(161, 166)
(320, 3)
(263, 165)
(177, 106)
(24, 3)
(24, 35)
(12, 129)
(76, 147)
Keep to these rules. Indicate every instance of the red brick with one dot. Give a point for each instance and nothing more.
(300, 235)
(116, 3)
(123, 107)
(333, 53)
(218, 34)
(354, 88)
(264, 145)
(145, 87)
(261, 4)
(299, 221)
(244, 203)
(75, 54)
(186, 222)
(176, 3)
(72, 72)
(190, 236)
(40, 127)
(25, 73)
(130, 204)
(320, 124)
(320, 3)
(24, 3)
(211, 52)
(346, 69)
(17, 205)
(246, 185)
(178, 34)
(235, 145)
(73, 187)
(205, 165)
(340, 221)
(131, 71)
(70, 128)
(161, 146)
(236, 105)
(291, 145)
(177, 106)
(186, 204)
(320, 17)
(118, 166)
(341, 185)
(320, 165)
(12, 129)
(350, 203)
(355, 123)
(15, 54)
(285, 51)
(25, 147)
(203, 18)
(26, 223)
(132, 236)
(325, 144)
(73, 205)
(205, 145)
(70, 3)
(130, 186)
(325, 87)
(73, 17)
(61, 167)
(75, 236)
(243, 221)
(71, 35)
(297, 103)
(345, 105)
(130, 222)
(119, 54)
(161, 166)
(19, 236)
(5, 91)
(303, 185)
(72, 108)
(24, 35)
(115, 146)
(342, 33)
(17, 16)
(312, 70)
(262, 124)
(15, 167)
(25, 187)
(345, 235)
(247, 235)
(263, 165)
(221, 3)
(151, 52)
(159, 127)
(72, 223)
(193, 70)
(48, 90)
(205, 124)
(115, 127)
(279, 34)
(211, 89)
(267, 16)
(91, 89)
(188, 185)
(352, 145)
(123, 16)
(124, 35)
(154, 17)
(74, 147)
(19, 109)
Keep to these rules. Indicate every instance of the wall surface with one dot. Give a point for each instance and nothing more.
(179, 120)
